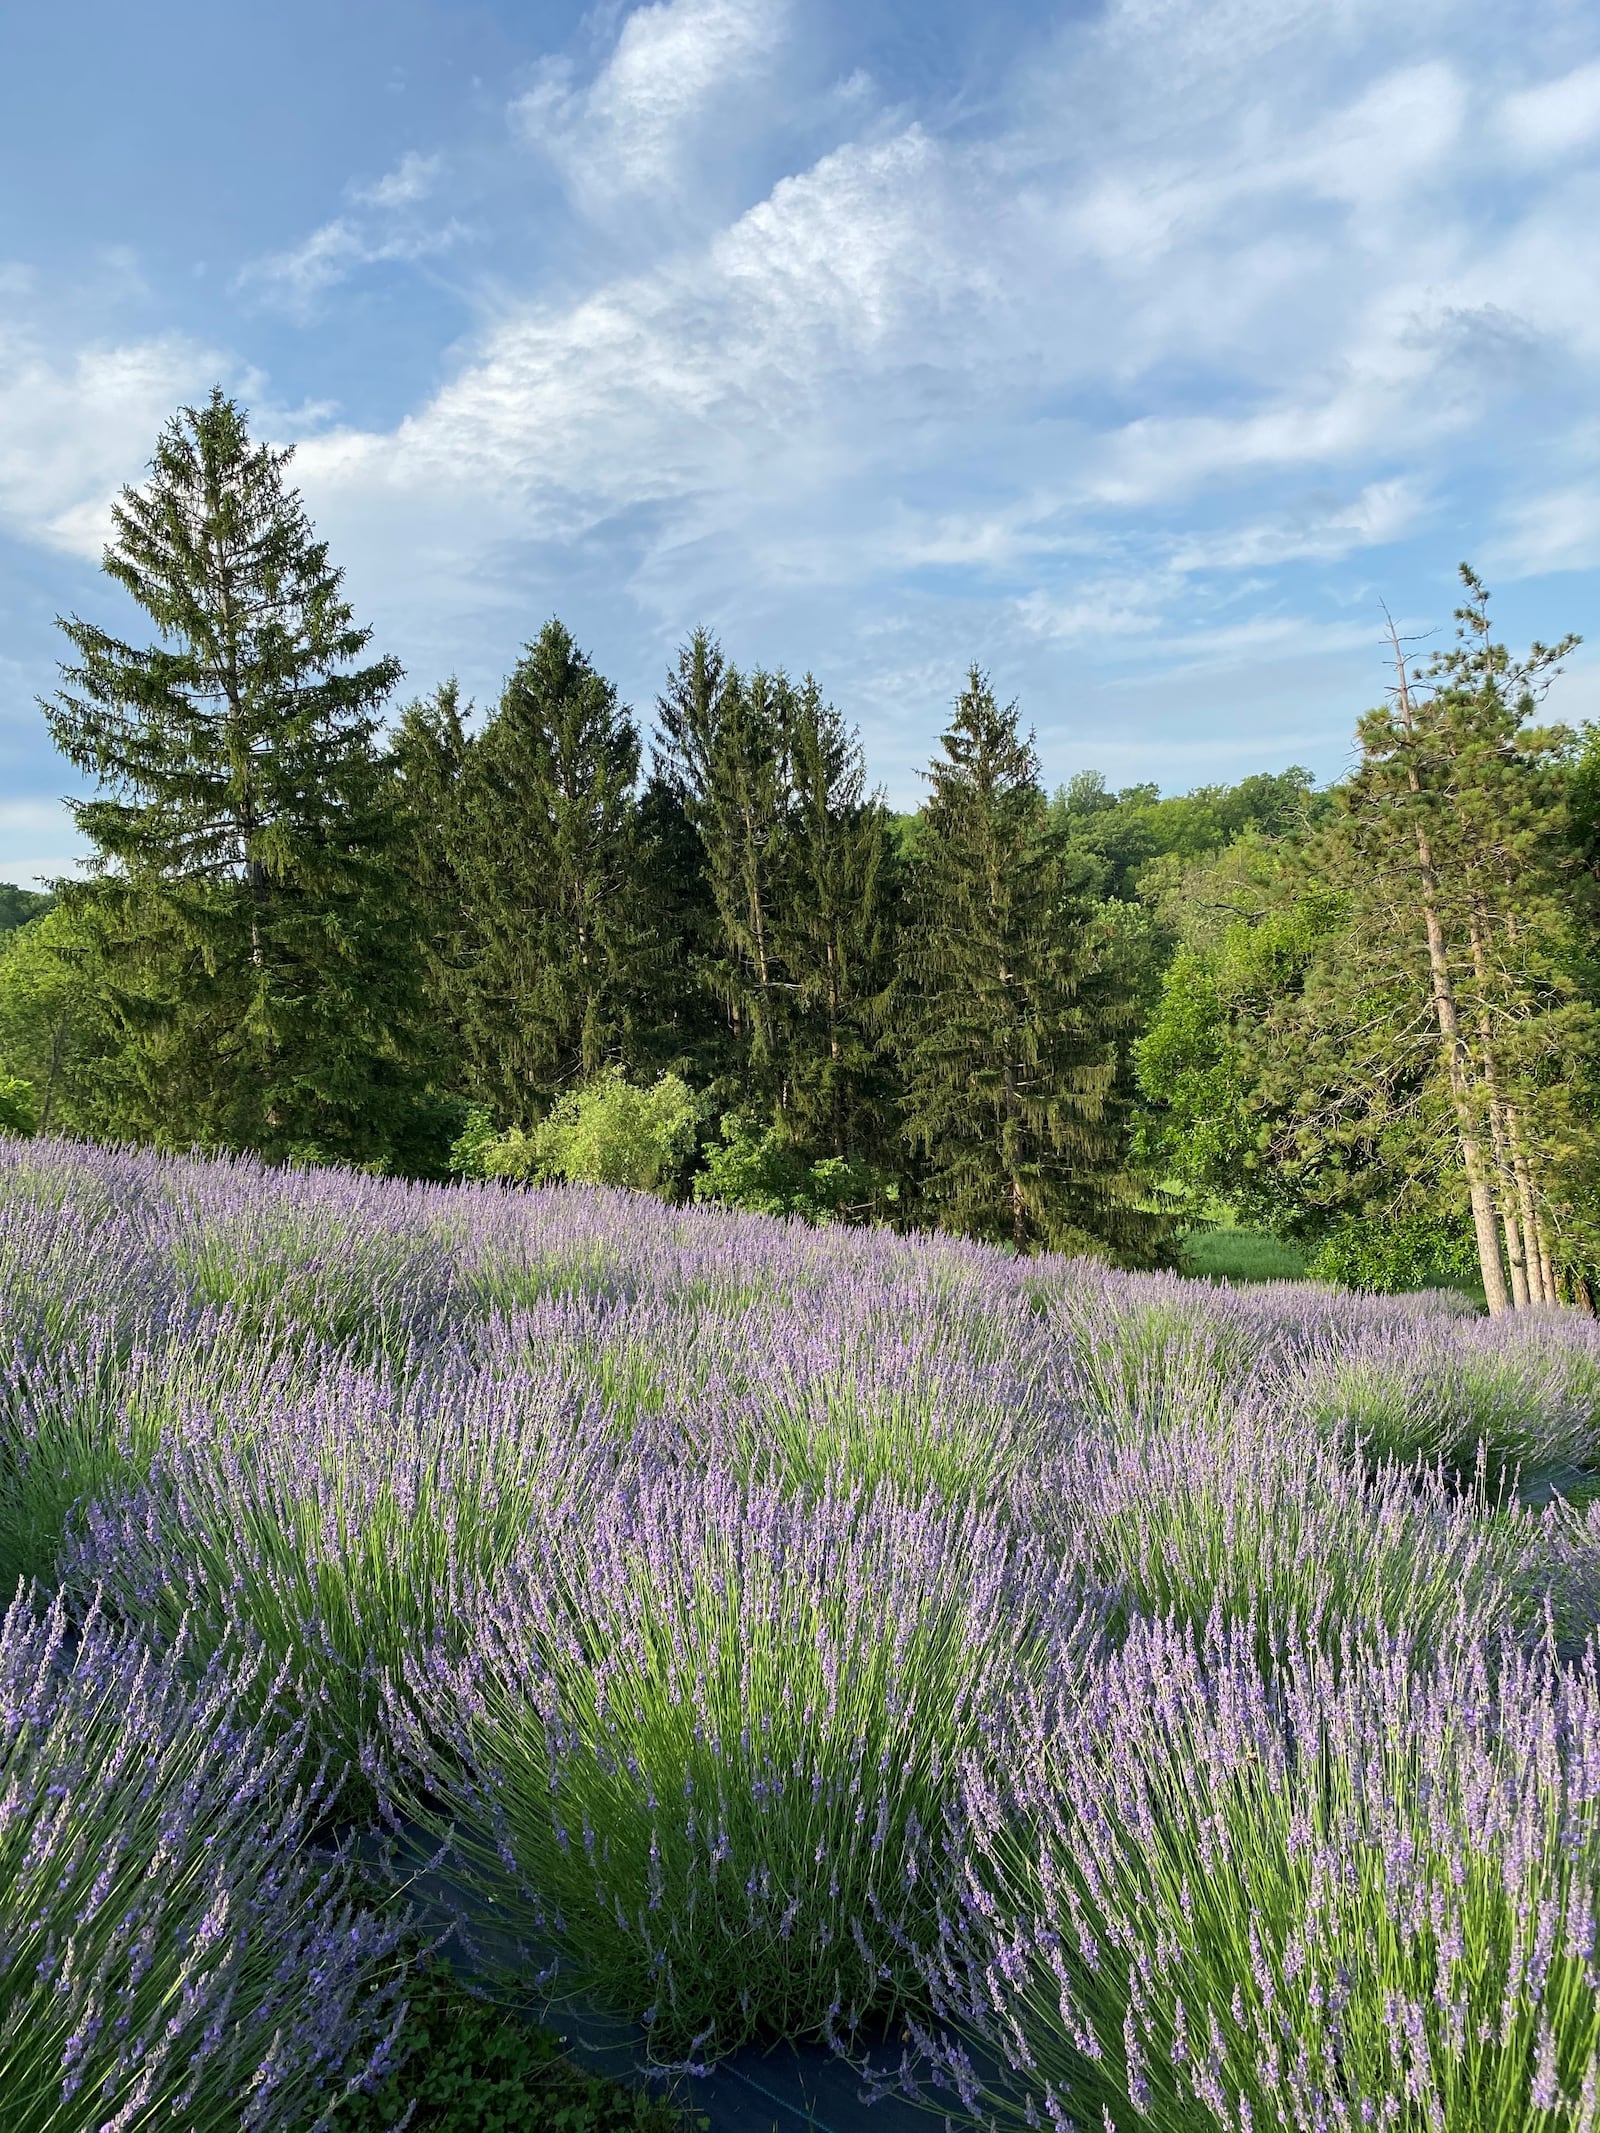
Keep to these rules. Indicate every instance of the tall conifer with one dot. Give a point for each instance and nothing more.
(545, 847)
(1010, 1027)
(258, 956)
(834, 928)
(429, 755)
(722, 752)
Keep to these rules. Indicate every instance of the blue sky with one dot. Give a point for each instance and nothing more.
(1136, 350)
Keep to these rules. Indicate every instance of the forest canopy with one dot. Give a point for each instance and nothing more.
(703, 957)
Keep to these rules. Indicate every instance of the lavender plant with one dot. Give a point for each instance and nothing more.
(1357, 1891)
(1504, 1394)
(170, 1953)
(345, 1524)
(696, 1749)
(731, 1589)
(1258, 1521)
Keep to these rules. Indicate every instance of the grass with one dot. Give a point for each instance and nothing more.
(1241, 1255)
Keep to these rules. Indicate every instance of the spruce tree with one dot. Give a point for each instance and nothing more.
(429, 754)
(259, 961)
(835, 933)
(545, 847)
(1010, 1027)
(722, 754)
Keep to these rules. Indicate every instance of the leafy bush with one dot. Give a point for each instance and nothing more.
(1388, 1258)
(17, 1111)
(764, 1174)
(609, 1132)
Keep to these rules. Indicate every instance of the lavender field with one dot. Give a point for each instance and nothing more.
(1091, 1699)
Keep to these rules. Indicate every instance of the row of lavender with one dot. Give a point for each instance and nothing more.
(1148, 1704)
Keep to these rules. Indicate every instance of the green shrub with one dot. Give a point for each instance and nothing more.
(608, 1132)
(763, 1174)
(1389, 1258)
(17, 1114)
(473, 2067)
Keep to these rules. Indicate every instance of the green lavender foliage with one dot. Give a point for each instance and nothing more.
(1356, 1890)
(174, 1950)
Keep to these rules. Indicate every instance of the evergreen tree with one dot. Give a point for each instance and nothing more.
(545, 845)
(1010, 1048)
(683, 1027)
(258, 957)
(722, 754)
(429, 754)
(1444, 1020)
(835, 935)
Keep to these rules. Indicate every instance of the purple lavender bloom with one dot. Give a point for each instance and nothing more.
(170, 1946)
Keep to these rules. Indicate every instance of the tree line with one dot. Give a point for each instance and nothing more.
(326, 930)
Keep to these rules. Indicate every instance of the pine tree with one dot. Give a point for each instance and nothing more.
(835, 936)
(1010, 1045)
(429, 754)
(259, 960)
(545, 846)
(722, 753)
(1429, 1049)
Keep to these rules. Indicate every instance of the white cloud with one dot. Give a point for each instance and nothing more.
(1559, 530)
(1324, 530)
(1557, 117)
(292, 281)
(675, 69)
(1202, 297)
(73, 429)
(1025, 356)
(411, 180)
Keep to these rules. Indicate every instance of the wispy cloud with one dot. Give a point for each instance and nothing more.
(676, 70)
(1554, 118)
(291, 281)
(1159, 355)
(74, 428)
(412, 179)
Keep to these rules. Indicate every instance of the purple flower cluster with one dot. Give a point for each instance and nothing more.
(1168, 1703)
(171, 1949)
(696, 1743)
(1357, 1889)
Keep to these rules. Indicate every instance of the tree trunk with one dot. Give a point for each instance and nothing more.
(1458, 1065)
(1510, 1223)
(1541, 1273)
(1456, 1057)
